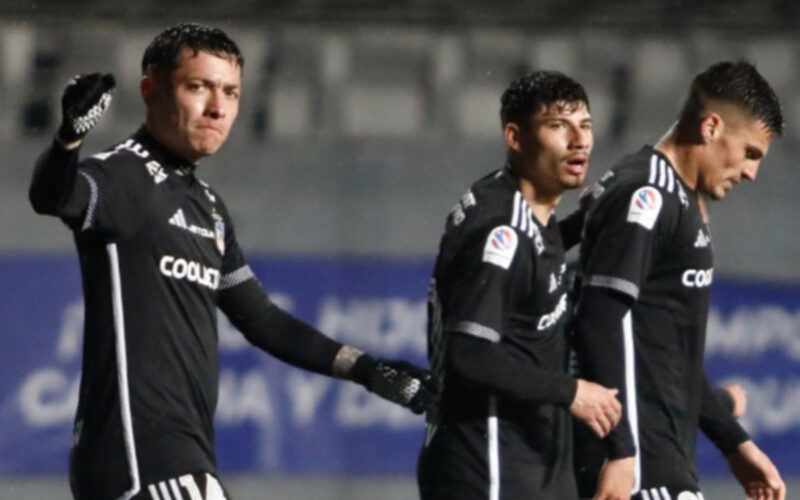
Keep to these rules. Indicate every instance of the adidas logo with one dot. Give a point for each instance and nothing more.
(703, 240)
(178, 219)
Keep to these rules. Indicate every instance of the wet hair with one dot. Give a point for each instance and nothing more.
(738, 83)
(526, 95)
(163, 53)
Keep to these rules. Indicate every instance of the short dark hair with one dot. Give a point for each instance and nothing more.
(738, 83)
(163, 53)
(526, 95)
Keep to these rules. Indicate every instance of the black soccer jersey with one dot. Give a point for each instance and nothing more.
(156, 247)
(497, 342)
(645, 239)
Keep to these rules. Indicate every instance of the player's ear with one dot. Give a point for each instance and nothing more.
(147, 86)
(513, 136)
(711, 127)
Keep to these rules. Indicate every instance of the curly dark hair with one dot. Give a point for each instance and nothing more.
(738, 83)
(528, 94)
(163, 53)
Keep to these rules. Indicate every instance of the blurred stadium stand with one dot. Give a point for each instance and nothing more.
(363, 121)
(382, 125)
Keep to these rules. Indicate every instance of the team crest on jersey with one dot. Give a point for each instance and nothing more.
(645, 206)
(501, 246)
(219, 232)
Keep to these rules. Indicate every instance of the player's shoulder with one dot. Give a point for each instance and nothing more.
(646, 175)
(129, 159)
(491, 201)
(493, 212)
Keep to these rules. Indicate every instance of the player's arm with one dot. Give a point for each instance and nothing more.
(56, 187)
(489, 365)
(717, 421)
(491, 268)
(622, 227)
(752, 467)
(598, 326)
(293, 341)
(733, 397)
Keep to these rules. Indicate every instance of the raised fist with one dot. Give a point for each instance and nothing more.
(83, 102)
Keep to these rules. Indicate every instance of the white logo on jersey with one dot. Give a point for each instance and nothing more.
(703, 240)
(189, 270)
(697, 278)
(213, 489)
(553, 283)
(156, 171)
(129, 145)
(645, 206)
(682, 195)
(464, 203)
(501, 245)
(552, 317)
(179, 220)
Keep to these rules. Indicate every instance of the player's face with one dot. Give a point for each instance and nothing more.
(194, 111)
(557, 144)
(734, 156)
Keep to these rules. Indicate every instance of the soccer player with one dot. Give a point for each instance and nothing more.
(498, 300)
(646, 266)
(158, 255)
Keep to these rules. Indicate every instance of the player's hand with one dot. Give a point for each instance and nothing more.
(597, 406)
(85, 99)
(616, 479)
(739, 397)
(756, 473)
(398, 381)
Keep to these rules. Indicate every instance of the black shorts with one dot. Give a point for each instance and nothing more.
(190, 486)
(200, 485)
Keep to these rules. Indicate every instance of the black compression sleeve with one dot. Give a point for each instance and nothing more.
(275, 331)
(599, 343)
(718, 423)
(487, 364)
(54, 190)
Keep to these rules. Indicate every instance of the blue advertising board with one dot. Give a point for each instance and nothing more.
(273, 418)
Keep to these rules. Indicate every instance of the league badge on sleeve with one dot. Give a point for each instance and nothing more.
(645, 206)
(501, 245)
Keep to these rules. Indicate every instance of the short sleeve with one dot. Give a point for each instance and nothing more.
(235, 269)
(490, 261)
(625, 228)
(118, 197)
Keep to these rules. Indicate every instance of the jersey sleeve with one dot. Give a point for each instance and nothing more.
(717, 421)
(235, 269)
(626, 228)
(491, 257)
(119, 192)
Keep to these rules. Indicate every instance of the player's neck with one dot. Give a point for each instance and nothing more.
(681, 155)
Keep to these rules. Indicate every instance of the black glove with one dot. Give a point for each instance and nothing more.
(84, 101)
(397, 381)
